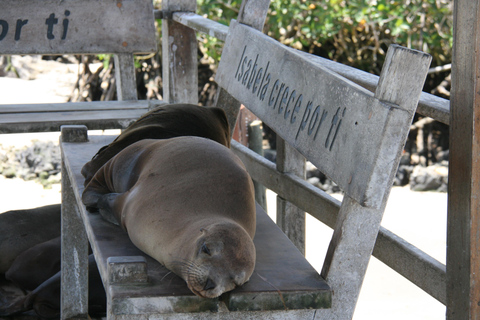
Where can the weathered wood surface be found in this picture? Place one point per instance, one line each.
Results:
(415, 265)
(75, 27)
(49, 117)
(290, 218)
(428, 105)
(336, 124)
(401, 82)
(201, 24)
(463, 224)
(299, 284)
(125, 76)
(179, 56)
(74, 249)
(252, 13)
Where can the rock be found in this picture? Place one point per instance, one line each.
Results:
(315, 181)
(432, 178)
(402, 178)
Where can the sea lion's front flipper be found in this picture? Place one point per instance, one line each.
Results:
(106, 207)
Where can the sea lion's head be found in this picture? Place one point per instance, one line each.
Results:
(223, 258)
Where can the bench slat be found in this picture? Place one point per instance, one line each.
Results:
(77, 27)
(49, 117)
(280, 267)
(79, 106)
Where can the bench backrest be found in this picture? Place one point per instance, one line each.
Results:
(76, 27)
(349, 133)
(355, 137)
(81, 27)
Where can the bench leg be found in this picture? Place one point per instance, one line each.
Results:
(74, 287)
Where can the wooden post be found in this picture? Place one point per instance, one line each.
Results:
(74, 283)
(125, 76)
(255, 143)
(179, 56)
(252, 13)
(290, 218)
(463, 228)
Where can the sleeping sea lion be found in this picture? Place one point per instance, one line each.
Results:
(23, 229)
(35, 265)
(164, 122)
(45, 299)
(189, 203)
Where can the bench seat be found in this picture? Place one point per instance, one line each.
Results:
(282, 279)
(21, 118)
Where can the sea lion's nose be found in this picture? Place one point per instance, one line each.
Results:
(209, 285)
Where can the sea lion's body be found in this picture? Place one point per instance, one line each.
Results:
(34, 266)
(188, 202)
(165, 122)
(23, 229)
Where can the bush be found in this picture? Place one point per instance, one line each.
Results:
(355, 32)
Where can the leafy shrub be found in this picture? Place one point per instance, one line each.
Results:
(354, 32)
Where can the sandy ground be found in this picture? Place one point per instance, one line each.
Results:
(418, 217)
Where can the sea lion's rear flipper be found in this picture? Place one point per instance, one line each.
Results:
(106, 207)
(16, 307)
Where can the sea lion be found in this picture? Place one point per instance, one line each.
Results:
(34, 266)
(45, 299)
(164, 122)
(189, 203)
(23, 229)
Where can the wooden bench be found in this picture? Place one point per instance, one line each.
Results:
(78, 27)
(353, 136)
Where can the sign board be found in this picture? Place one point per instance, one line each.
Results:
(333, 122)
(76, 26)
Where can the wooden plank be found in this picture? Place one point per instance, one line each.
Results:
(179, 56)
(125, 76)
(74, 252)
(79, 106)
(290, 218)
(51, 121)
(415, 265)
(75, 27)
(166, 293)
(333, 122)
(463, 237)
(252, 13)
(201, 24)
(428, 105)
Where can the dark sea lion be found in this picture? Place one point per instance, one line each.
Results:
(34, 266)
(23, 229)
(164, 122)
(189, 203)
(45, 299)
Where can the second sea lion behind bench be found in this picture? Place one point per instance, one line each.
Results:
(164, 122)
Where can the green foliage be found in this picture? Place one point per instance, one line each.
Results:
(354, 32)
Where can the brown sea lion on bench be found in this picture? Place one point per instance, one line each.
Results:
(189, 203)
